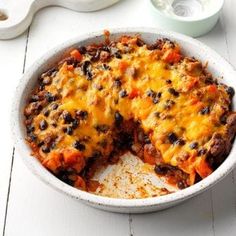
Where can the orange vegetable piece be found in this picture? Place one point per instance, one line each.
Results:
(123, 65)
(212, 88)
(203, 169)
(53, 161)
(171, 56)
(80, 183)
(92, 185)
(192, 83)
(76, 54)
(134, 93)
(71, 156)
(149, 158)
(70, 67)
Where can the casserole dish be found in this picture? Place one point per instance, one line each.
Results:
(190, 47)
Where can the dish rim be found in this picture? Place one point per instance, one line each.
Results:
(35, 166)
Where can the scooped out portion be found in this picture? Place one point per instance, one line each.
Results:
(104, 100)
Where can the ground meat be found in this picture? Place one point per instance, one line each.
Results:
(231, 127)
(150, 150)
(193, 67)
(221, 146)
(218, 148)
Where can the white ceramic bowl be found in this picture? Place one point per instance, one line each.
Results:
(192, 26)
(217, 65)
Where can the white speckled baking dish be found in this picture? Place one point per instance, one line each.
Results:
(218, 66)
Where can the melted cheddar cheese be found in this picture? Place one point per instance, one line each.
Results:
(80, 107)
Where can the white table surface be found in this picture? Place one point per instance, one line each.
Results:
(28, 207)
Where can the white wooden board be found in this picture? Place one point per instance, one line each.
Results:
(11, 65)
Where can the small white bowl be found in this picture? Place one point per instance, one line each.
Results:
(194, 26)
(217, 65)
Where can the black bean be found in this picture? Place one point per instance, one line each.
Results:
(168, 81)
(151, 93)
(30, 128)
(193, 145)
(230, 91)
(82, 114)
(157, 114)
(50, 97)
(82, 49)
(34, 98)
(54, 106)
(106, 67)
(180, 142)
(86, 68)
(45, 149)
(40, 144)
(201, 151)
(75, 123)
(78, 145)
(63, 175)
(155, 100)
(181, 184)
(68, 130)
(118, 118)
(161, 169)
(43, 125)
(32, 136)
(223, 119)
(123, 93)
(117, 83)
(118, 55)
(172, 137)
(67, 117)
(173, 92)
(46, 113)
(146, 139)
(89, 75)
(155, 96)
(205, 111)
(159, 94)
